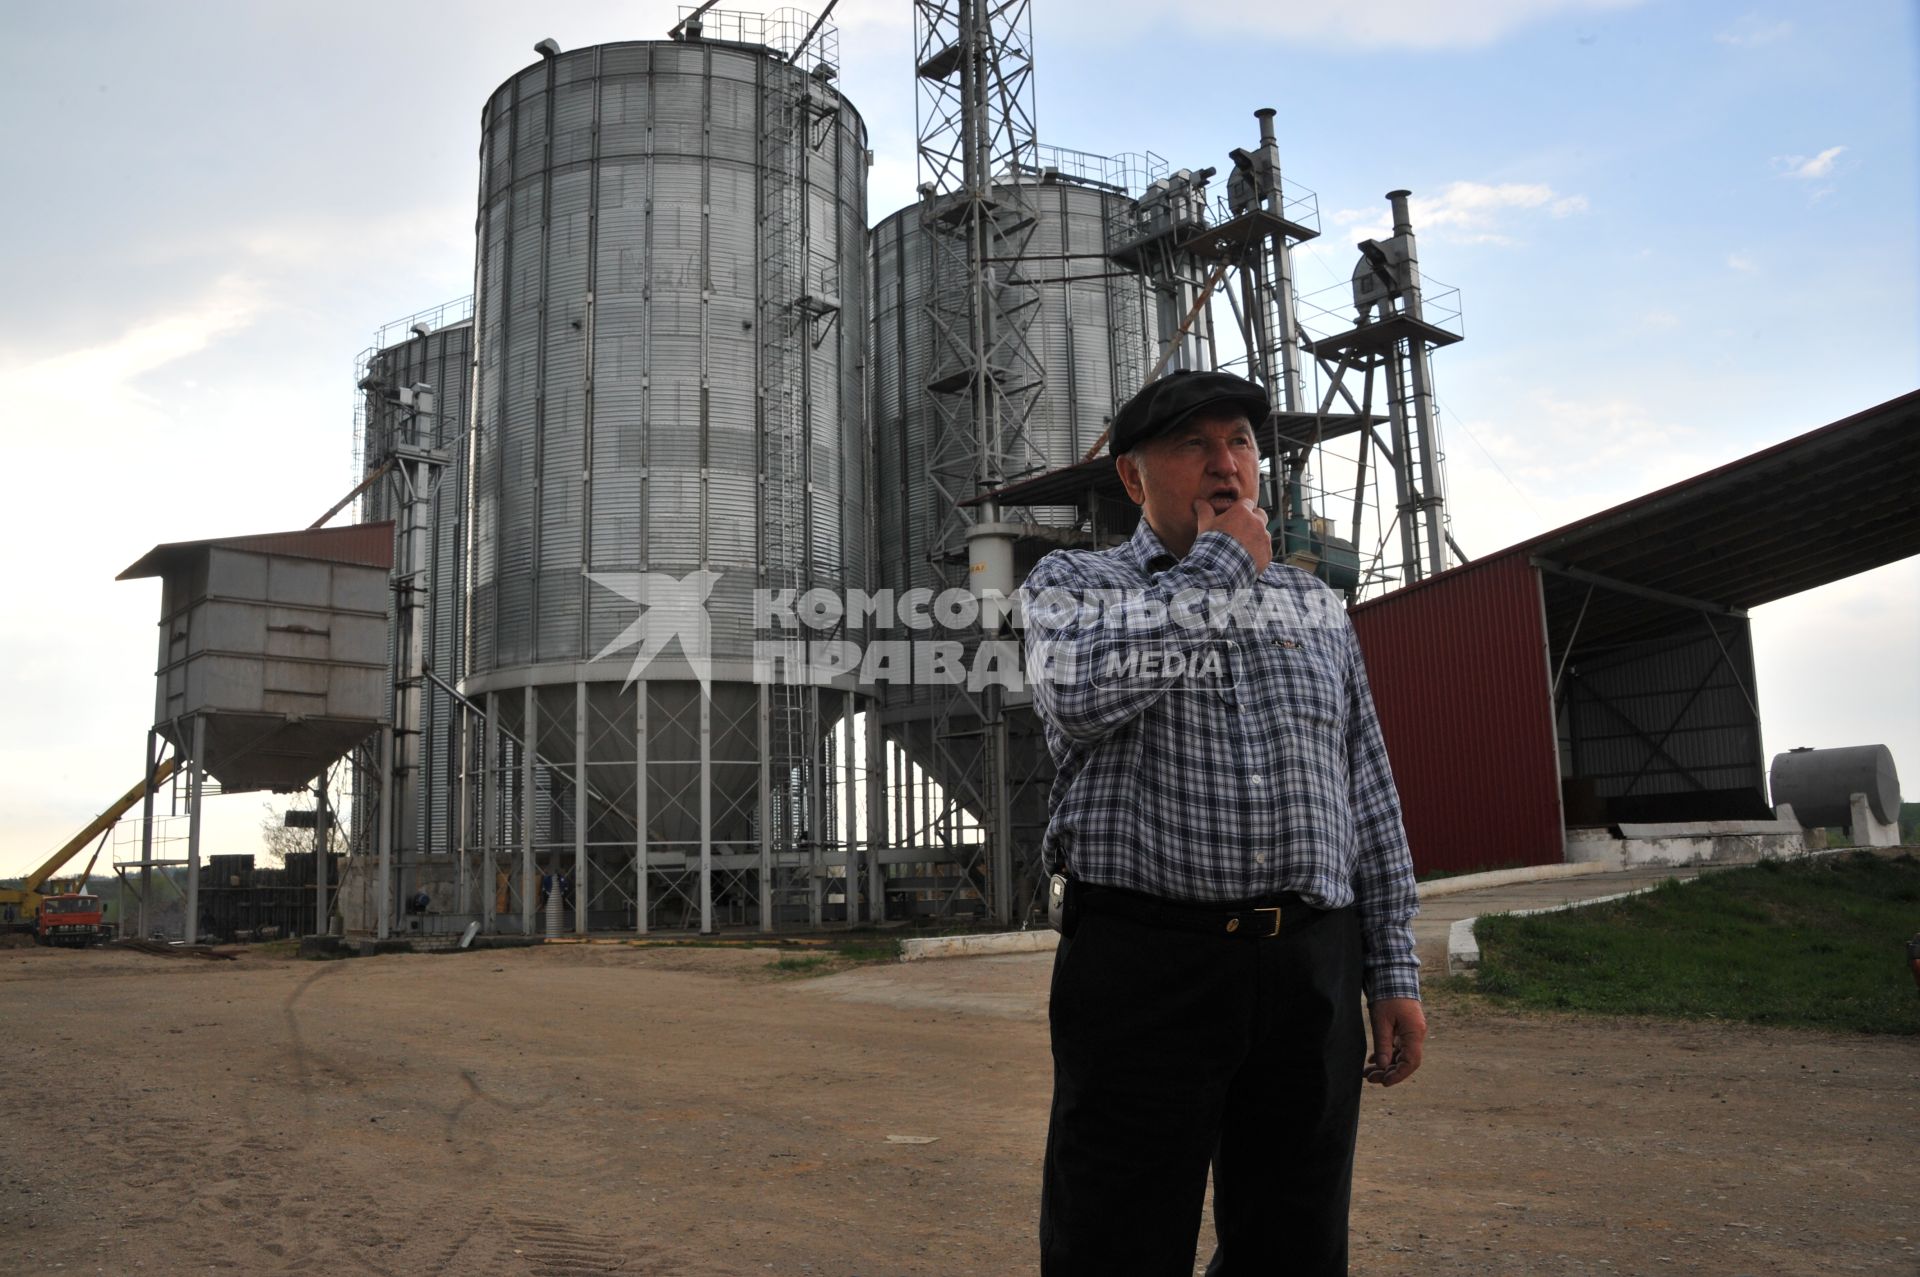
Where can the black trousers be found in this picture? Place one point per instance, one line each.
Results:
(1173, 1051)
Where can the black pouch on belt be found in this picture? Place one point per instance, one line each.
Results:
(1063, 913)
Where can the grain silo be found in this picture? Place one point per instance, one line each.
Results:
(1093, 331)
(437, 353)
(1090, 327)
(669, 322)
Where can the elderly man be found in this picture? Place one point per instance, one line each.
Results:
(1227, 846)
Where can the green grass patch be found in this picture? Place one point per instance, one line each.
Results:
(836, 955)
(1816, 943)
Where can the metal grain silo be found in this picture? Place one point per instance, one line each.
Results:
(669, 321)
(1093, 333)
(437, 353)
(1094, 337)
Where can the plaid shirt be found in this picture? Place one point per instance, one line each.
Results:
(1215, 738)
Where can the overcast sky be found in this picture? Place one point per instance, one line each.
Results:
(1682, 232)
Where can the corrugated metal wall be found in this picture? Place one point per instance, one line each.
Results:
(670, 322)
(1094, 334)
(1458, 669)
(619, 299)
(1666, 728)
(1095, 337)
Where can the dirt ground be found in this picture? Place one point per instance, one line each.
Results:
(596, 1109)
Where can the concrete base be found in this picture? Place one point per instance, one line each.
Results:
(324, 947)
(1034, 940)
(1463, 951)
(438, 876)
(1867, 830)
(433, 924)
(1509, 877)
(1700, 842)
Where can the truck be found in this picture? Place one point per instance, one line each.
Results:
(70, 913)
(72, 918)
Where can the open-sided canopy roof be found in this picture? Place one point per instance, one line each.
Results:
(1818, 508)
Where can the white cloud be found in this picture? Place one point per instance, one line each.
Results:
(1408, 24)
(1807, 169)
(91, 388)
(1753, 31)
(1742, 263)
(1828, 684)
(145, 454)
(1470, 212)
(1617, 443)
(1565, 457)
(167, 421)
(1542, 460)
(390, 239)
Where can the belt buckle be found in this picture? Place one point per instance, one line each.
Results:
(1277, 916)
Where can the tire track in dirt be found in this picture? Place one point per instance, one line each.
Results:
(552, 1247)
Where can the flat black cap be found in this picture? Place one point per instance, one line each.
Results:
(1161, 405)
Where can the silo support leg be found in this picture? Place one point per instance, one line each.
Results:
(581, 887)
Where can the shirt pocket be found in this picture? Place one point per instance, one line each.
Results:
(1306, 674)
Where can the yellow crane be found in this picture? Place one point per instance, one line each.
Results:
(20, 906)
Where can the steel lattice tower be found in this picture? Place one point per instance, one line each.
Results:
(977, 156)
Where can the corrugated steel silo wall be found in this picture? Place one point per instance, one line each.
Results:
(1089, 335)
(618, 419)
(1094, 339)
(442, 359)
(1458, 669)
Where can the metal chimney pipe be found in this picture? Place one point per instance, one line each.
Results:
(1403, 231)
(1402, 221)
(1286, 334)
(1270, 152)
(1427, 482)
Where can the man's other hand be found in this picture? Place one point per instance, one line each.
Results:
(1245, 522)
(1399, 1037)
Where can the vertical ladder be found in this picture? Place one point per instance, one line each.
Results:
(783, 261)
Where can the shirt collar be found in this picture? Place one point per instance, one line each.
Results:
(1147, 552)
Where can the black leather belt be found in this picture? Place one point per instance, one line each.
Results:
(1252, 919)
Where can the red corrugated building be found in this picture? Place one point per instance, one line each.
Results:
(1458, 669)
(1603, 672)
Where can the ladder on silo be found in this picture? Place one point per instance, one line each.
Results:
(792, 770)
